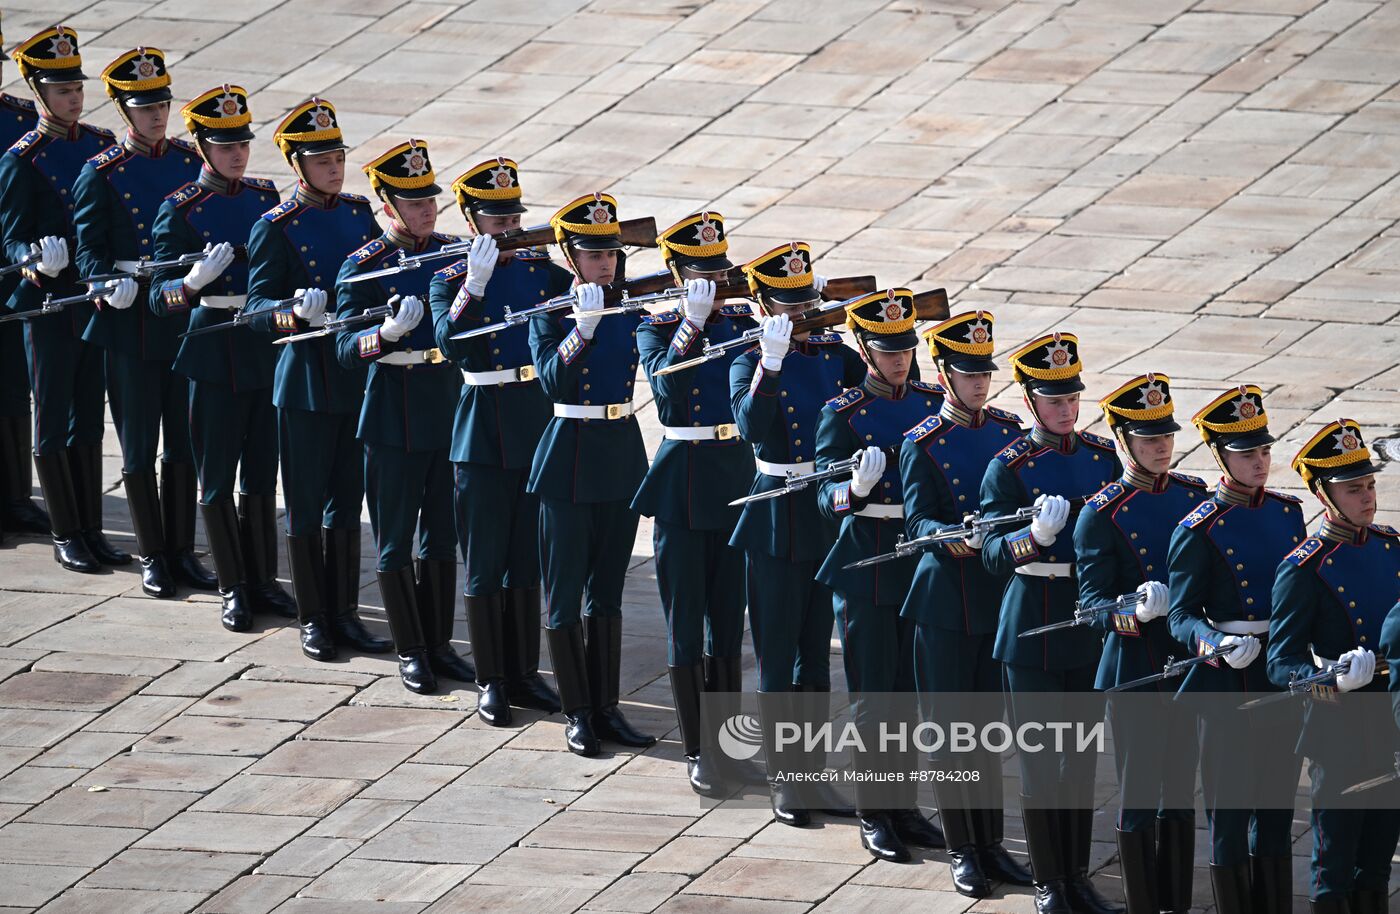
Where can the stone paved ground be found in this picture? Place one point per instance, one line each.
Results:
(1205, 189)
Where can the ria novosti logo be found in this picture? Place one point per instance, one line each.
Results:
(740, 737)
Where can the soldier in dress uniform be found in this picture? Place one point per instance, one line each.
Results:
(294, 251)
(1120, 544)
(778, 389)
(501, 416)
(1049, 467)
(18, 512)
(233, 428)
(406, 422)
(1221, 559)
(954, 601)
(586, 469)
(36, 217)
(868, 422)
(115, 201)
(700, 467)
(1330, 601)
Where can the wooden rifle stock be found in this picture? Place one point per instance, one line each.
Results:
(636, 233)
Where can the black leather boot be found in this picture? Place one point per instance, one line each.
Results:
(603, 653)
(724, 683)
(342, 591)
(1137, 861)
(437, 598)
(567, 654)
(85, 463)
(69, 548)
(915, 829)
(878, 835)
(257, 518)
(400, 593)
(687, 685)
(1331, 904)
(1176, 863)
(143, 502)
(1230, 884)
(961, 837)
(1076, 833)
(813, 708)
(221, 523)
(305, 557)
(1369, 901)
(18, 513)
(485, 624)
(1043, 840)
(177, 501)
(988, 825)
(521, 638)
(782, 765)
(1271, 879)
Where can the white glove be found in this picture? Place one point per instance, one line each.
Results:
(975, 540)
(119, 293)
(1245, 655)
(53, 255)
(1045, 526)
(699, 300)
(1154, 604)
(1363, 667)
(590, 298)
(403, 320)
(217, 258)
(867, 473)
(773, 343)
(312, 304)
(818, 282)
(481, 263)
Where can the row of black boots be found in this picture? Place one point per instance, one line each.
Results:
(18, 513)
(587, 658)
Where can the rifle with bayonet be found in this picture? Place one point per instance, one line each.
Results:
(241, 318)
(145, 269)
(796, 482)
(1174, 668)
(928, 306)
(636, 233)
(972, 525)
(26, 261)
(53, 305)
(1302, 685)
(336, 324)
(1084, 615)
(634, 294)
(1389, 777)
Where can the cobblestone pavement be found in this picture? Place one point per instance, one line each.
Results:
(1206, 189)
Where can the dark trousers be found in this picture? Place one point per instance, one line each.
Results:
(948, 664)
(701, 580)
(877, 651)
(14, 372)
(65, 376)
(497, 528)
(790, 616)
(147, 397)
(408, 491)
(584, 553)
(1063, 779)
(231, 434)
(1155, 754)
(1249, 807)
(323, 470)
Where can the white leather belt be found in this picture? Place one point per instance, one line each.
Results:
(781, 470)
(1046, 569)
(887, 511)
(412, 357)
(224, 302)
(701, 433)
(503, 376)
(608, 411)
(1239, 627)
(125, 266)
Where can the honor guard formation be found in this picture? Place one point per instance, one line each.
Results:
(480, 393)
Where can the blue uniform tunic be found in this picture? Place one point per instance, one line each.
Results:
(785, 539)
(498, 423)
(233, 428)
(65, 372)
(115, 201)
(691, 482)
(1332, 595)
(17, 118)
(300, 244)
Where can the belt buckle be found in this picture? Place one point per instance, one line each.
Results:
(726, 431)
(525, 373)
(613, 410)
(433, 356)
